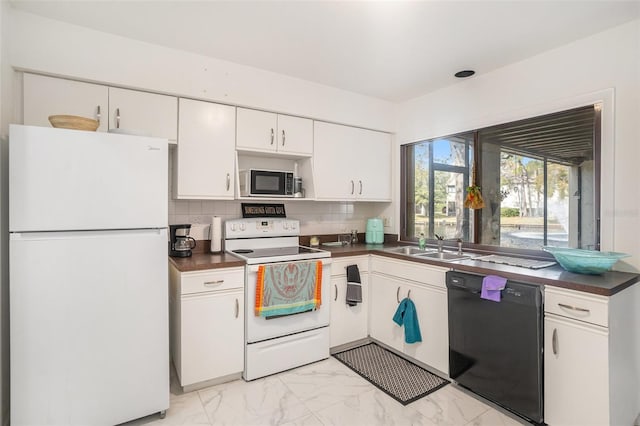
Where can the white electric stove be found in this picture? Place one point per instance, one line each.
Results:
(278, 343)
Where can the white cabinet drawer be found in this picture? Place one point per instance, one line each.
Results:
(339, 266)
(224, 279)
(577, 305)
(418, 272)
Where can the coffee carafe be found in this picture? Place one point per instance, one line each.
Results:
(180, 243)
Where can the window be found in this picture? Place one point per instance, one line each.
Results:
(436, 176)
(539, 179)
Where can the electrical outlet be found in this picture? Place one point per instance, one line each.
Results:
(386, 221)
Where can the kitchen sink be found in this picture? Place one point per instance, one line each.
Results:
(429, 253)
(408, 250)
(444, 256)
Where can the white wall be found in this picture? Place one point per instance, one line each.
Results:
(53, 47)
(604, 66)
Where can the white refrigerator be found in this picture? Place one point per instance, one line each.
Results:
(88, 277)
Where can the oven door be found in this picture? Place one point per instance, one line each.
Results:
(260, 328)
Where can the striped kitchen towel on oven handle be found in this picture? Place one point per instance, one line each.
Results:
(288, 288)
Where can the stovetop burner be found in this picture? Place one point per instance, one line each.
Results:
(268, 240)
(279, 254)
(275, 251)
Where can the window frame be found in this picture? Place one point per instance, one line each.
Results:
(407, 177)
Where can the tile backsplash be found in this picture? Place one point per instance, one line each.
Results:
(316, 217)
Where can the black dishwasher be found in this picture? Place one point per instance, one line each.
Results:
(495, 348)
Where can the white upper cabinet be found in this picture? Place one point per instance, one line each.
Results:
(45, 96)
(295, 135)
(205, 157)
(132, 111)
(145, 113)
(260, 131)
(351, 163)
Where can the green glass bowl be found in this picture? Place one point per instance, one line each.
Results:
(585, 261)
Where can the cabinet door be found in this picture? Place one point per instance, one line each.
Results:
(374, 171)
(205, 157)
(144, 113)
(385, 293)
(212, 332)
(295, 135)
(348, 323)
(45, 96)
(334, 158)
(431, 309)
(256, 130)
(576, 379)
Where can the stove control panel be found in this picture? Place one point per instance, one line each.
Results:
(261, 227)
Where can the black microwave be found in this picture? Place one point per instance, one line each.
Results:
(266, 183)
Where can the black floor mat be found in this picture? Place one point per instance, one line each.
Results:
(402, 380)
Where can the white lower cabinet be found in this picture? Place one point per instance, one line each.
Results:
(348, 323)
(576, 373)
(393, 280)
(207, 324)
(431, 305)
(385, 294)
(590, 358)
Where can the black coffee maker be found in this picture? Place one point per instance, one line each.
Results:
(181, 243)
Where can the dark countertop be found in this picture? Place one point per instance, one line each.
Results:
(203, 261)
(606, 284)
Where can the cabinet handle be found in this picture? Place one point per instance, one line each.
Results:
(228, 181)
(98, 114)
(353, 187)
(237, 308)
(336, 297)
(283, 137)
(272, 136)
(573, 308)
(117, 118)
(213, 283)
(398, 295)
(360, 193)
(554, 341)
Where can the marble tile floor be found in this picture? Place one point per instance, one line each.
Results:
(323, 393)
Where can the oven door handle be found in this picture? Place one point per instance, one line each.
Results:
(325, 262)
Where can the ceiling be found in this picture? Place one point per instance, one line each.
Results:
(392, 50)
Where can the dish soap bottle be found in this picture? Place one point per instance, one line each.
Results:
(422, 242)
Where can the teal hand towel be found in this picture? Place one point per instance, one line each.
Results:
(406, 315)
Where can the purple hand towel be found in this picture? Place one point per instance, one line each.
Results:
(491, 286)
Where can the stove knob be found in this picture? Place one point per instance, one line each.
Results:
(233, 226)
(293, 225)
(285, 225)
(242, 227)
